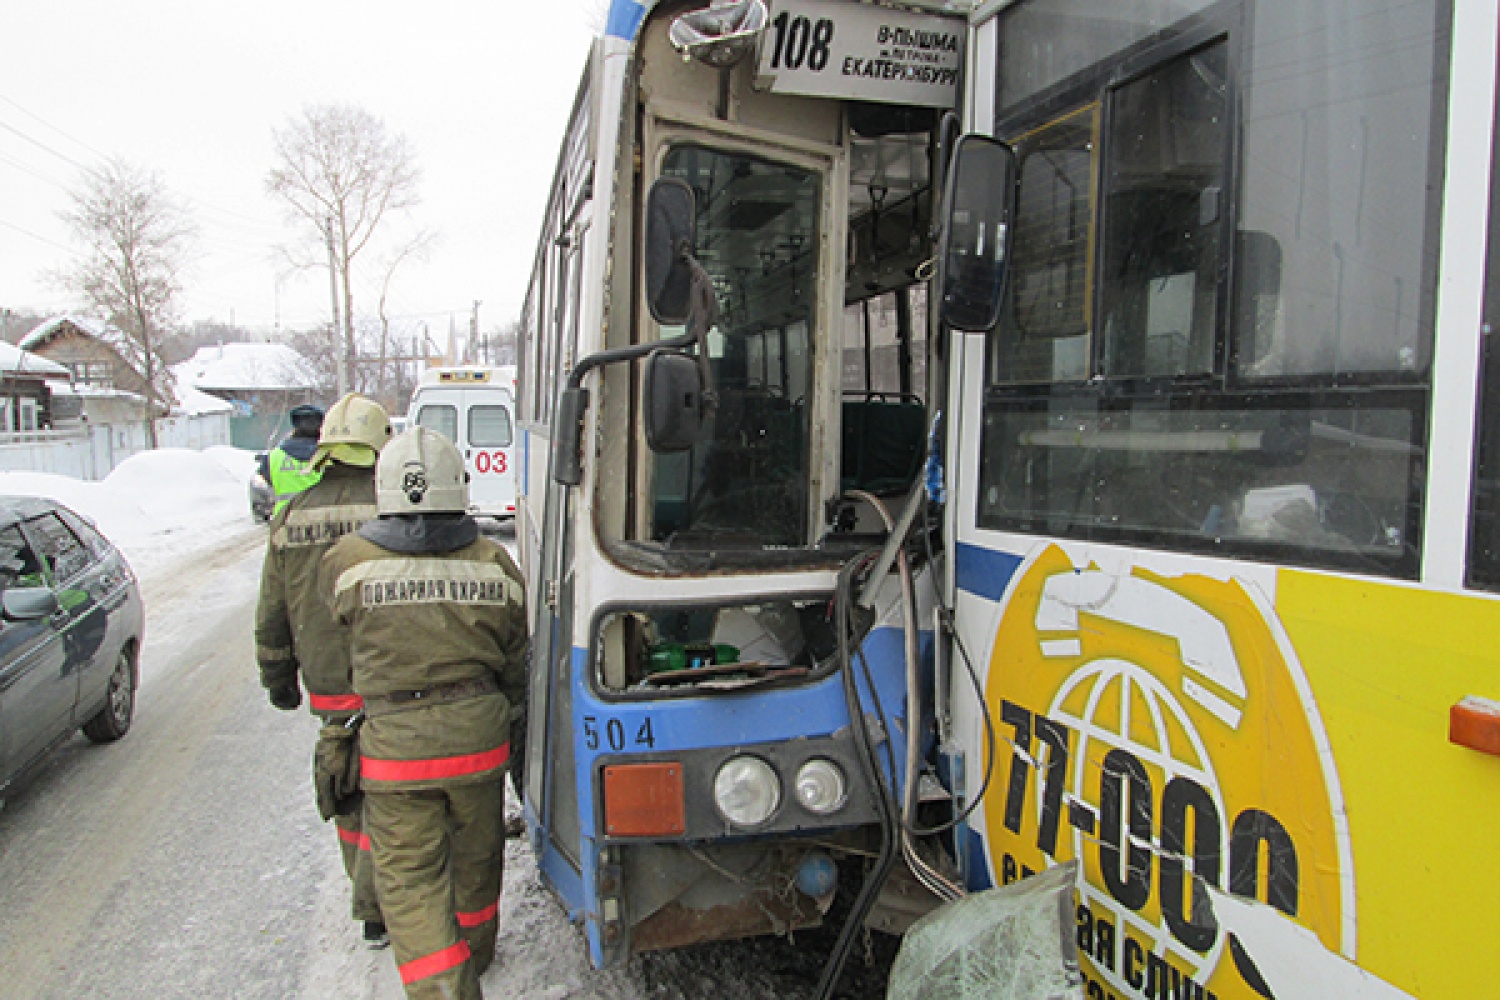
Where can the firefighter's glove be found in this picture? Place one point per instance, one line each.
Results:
(336, 770)
(287, 697)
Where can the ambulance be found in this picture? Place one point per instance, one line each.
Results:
(474, 407)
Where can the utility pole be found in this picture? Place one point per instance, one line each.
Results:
(474, 332)
(340, 354)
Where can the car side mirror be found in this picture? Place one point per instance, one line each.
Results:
(978, 200)
(28, 603)
(670, 228)
(672, 387)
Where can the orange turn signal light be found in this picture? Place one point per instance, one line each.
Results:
(643, 800)
(1475, 723)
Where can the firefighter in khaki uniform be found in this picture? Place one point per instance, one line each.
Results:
(437, 627)
(296, 634)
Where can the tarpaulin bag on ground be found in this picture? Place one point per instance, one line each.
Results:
(1017, 942)
(336, 770)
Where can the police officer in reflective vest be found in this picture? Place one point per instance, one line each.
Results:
(437, 626)
(288, 467)
(295, 635)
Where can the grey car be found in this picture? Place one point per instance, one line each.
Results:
(71, 625)
(262, 497)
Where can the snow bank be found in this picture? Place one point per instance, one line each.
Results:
(160, 507)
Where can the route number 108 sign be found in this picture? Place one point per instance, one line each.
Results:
(819, 49)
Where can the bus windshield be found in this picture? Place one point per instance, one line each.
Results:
(745, 484)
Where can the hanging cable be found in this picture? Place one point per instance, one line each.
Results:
(934, 880)
(951, 627)
(875, 878)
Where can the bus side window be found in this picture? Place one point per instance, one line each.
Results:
(1164, 178)
(1051, 288)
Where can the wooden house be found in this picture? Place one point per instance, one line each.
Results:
(92, 351)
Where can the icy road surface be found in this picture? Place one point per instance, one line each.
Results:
(188, 860)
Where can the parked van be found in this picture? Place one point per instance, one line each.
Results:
(474, 407)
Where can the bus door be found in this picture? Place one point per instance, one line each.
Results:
(549, 790)
(549, 740)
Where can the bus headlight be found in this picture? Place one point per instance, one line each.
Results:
(746, 791)
(821, 787)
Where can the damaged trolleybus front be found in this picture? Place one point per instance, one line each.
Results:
(1192, 603)
(725, 407)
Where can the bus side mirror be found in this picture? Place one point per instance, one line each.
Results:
(670, 222)
(673, 403)
(978, 200)
(567, 436)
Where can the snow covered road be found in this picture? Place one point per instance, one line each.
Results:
(188, 860)
(182, 859)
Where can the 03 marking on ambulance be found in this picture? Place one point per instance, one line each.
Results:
(491, 462)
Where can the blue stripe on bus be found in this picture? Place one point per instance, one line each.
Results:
(984, 572)
(565, 878)
(624, 19)
(772, 715)
(979, 872)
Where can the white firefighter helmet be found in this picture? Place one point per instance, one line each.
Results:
(421, 472)
(354, 430)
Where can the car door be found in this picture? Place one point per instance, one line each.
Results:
(488, 440)
(37, 686)
(85, 573)
(439, 415)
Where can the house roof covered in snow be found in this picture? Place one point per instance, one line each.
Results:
(245, 367)
(46, 330)
(13, 360)
(191, 401)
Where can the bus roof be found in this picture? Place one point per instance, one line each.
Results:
(624, 17)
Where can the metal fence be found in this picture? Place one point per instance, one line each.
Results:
(91, 452)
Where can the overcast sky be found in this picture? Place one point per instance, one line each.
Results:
(193, 90)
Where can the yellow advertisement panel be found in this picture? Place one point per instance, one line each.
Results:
(1202, 746)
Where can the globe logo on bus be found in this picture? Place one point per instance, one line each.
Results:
(1127, 711)
(1157, 728)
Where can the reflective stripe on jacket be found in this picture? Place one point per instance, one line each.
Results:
(422, 621)
(294, 629)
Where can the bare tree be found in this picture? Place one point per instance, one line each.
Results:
(506, 339)
(341, 174)
(315, 344)
(136, 237)
(417, 247)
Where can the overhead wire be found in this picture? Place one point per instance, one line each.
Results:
(224, 232)
(245, 240)
(42, 239)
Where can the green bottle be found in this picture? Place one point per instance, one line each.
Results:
(686, 656)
